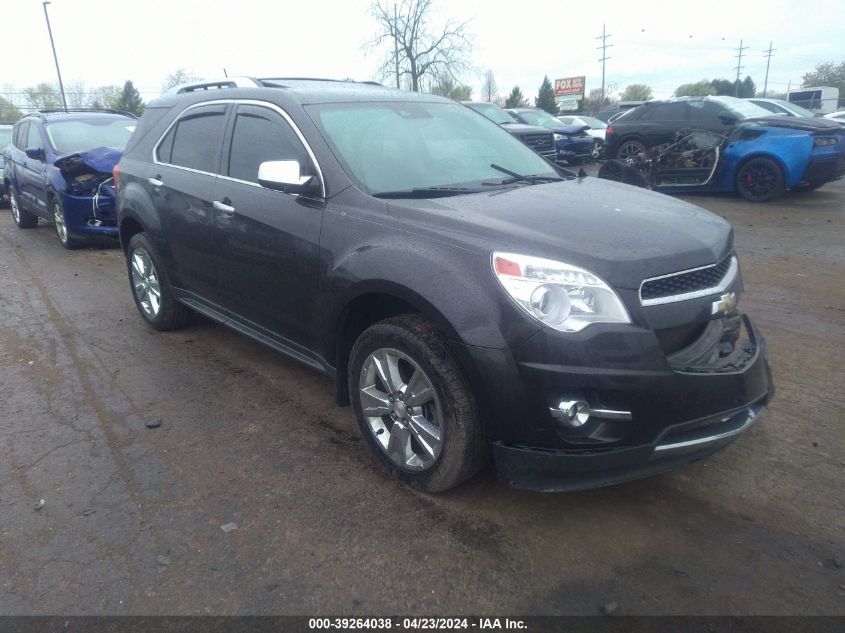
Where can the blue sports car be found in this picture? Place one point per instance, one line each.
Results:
(759, 159)
(59, 168)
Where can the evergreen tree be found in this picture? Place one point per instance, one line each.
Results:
(546, 98)
(129, 100)
(515, 99)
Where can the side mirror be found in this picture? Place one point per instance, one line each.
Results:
(728, 119)
(284, 175)
(35, 153)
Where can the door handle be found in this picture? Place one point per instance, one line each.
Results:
(155, 182)
(224, 206)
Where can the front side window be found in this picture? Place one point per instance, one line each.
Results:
(400, 146)
(33, 138)
(195, 140)
(80, 135)
(261, 134)
(20, 135)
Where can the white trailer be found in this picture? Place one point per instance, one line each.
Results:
(821, 100)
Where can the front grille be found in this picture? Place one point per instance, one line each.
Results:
(538, 142)
(685, 282)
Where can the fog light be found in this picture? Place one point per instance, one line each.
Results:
(572, 413)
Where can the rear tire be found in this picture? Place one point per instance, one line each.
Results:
(760, 180)
(422, 421)
(150, 285)
(23, 218)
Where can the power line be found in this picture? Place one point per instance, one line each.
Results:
(768, 54)
(739, 67)
(604, 46)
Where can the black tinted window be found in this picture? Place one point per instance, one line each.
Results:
(706, 111)
(260, 134)
(667, 112)
(165, 147)
(198, 136)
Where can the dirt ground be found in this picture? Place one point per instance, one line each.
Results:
(132, 516)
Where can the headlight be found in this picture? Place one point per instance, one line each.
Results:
(821, 141)
(562, 296)
(559, 137)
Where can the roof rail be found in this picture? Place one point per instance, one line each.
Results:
(64, 110)
(216, 84)
(340, 81)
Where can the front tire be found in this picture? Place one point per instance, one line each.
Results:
(68, 241)
(23, 218)
(414, 407)
(760, 180)
(151, 287)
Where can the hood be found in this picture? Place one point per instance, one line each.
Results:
(100, 160)
(624, 234)
(522, 128)
(797, 123)
(570, 130)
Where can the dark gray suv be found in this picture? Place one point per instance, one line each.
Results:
(468, 298)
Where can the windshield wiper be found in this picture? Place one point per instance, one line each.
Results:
(515, 177)
(428, 192)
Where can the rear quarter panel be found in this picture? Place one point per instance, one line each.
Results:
(791, 149)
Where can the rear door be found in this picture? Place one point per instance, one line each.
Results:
(267, 241)
(181, 186)
(33, 175)
(663, 121)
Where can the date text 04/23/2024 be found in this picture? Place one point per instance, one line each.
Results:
(418, 623)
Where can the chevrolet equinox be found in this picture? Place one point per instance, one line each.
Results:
(468, 298)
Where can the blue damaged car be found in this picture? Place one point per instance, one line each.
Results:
(572, 142)
(723, 144)
(59, 168)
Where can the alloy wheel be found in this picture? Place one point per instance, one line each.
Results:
(145, 283)
(630, 150)
(402, 409)
(759, 179)
(13, 203)
(59, 221)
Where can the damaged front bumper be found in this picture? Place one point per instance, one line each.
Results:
(651, 412)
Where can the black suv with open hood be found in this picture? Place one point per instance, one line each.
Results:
(467, 297)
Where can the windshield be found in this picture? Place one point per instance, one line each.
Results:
(399, 146)
(539, 117)
(5, 136)
(742, 108)
(492, 112)
(68, 137)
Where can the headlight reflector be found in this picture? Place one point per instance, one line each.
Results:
(564, 297)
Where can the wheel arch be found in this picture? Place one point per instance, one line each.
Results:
(784, 169)
(370, 303)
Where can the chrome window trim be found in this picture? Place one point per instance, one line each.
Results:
(724, 284)
(253, 102)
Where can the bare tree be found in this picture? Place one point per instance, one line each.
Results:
(178, 78)
(421, 50)
(489, 89)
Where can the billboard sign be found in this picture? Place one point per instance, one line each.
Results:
(570, 87)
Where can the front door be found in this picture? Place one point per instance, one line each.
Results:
(267, 241)
(34, 175)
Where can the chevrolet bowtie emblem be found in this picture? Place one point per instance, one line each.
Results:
(725, 303)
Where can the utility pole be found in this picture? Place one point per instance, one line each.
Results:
(739, 67)
(768, 55)
(604, 46)
(55, 57)
(396, 43)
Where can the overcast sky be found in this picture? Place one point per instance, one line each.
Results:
(660, 44)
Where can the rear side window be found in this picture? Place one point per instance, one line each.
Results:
(667, 112)
(195, 140)
(20, 135)
(261, 134)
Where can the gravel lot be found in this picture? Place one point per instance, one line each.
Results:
(132, 516)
